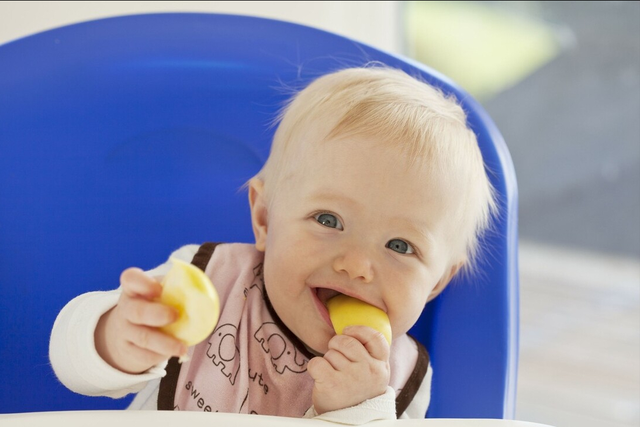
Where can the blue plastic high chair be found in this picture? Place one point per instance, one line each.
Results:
(122, 139)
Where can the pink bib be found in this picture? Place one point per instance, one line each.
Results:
(252, 363)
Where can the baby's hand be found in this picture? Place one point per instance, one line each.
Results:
(127, 336)
(354, 369)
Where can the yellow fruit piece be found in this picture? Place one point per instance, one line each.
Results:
(346, 311)
(189, 290)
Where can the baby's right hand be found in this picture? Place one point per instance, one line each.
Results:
(127, 336)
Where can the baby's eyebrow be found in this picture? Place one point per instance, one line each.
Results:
(323, 196)
(421, 228)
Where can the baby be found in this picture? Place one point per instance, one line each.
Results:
(374, 188)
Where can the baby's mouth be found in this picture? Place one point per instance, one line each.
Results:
(325, 295)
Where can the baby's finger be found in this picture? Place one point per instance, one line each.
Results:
(319, 368)
(142, 312)
(349, 347)
(337, 360)
(136, 283)
(373, 341)
(157, 342)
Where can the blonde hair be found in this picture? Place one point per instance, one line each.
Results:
(404, 111)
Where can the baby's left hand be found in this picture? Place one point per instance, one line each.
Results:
(354, 369)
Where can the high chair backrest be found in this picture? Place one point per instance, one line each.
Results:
(125, 138)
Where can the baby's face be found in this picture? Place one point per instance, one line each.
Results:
(354, 217)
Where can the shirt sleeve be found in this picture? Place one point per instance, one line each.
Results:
(382, 407)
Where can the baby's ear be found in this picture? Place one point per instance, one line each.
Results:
(258, 205)
(444, 280)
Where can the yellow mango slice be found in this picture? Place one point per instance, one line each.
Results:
(189, 290)
(346, 311)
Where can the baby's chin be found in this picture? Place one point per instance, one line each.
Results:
(312, 351)
(316, 346)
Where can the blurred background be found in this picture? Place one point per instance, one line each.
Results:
(562, 82)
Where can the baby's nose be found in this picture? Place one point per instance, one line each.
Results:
(356, 263)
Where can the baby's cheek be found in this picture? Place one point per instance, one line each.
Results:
(403, 318)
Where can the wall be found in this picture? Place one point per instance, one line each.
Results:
(374, 23)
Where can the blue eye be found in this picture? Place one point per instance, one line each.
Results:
(400, 246)
(329, 220)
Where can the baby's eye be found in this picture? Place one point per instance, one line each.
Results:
(329, 220)
(400, 246)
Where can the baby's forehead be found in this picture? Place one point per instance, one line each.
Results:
(380, 162)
